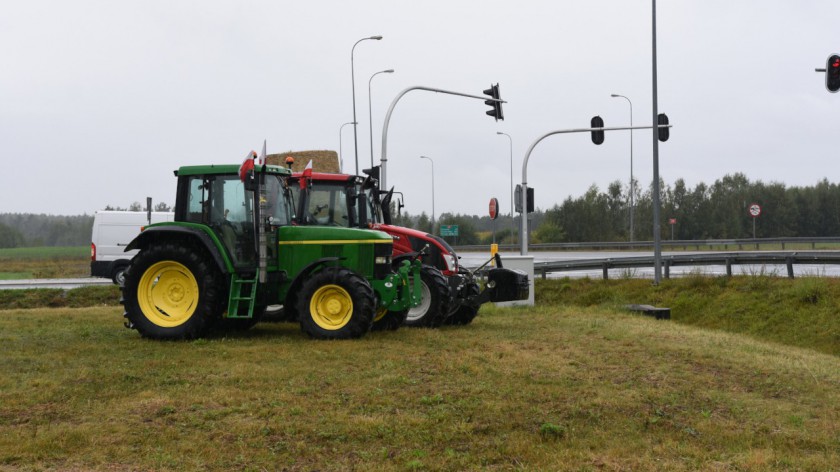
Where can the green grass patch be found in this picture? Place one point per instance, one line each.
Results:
(46, 252)
(545, 388)
(44, 262)
(800, 312)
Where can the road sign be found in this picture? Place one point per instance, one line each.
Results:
(449, 230)
(672, 221)
(494, 208)
(755, 210)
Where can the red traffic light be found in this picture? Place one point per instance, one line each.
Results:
(832, 73)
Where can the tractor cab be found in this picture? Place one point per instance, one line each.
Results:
(217, 198)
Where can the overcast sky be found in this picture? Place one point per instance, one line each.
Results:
(101, 100)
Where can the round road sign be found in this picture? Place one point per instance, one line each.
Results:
(494, 208)
(755, 210)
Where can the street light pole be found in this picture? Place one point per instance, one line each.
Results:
(370, 110)
(512, 218)
(657, 238)
(341, 146)
(632, 183)
(353, 82)
(433, 191)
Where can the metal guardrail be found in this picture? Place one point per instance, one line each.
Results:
(727, 259)
(697, 244)
(65, 284)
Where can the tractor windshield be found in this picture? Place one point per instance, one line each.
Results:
(334, 203)
(222, 203)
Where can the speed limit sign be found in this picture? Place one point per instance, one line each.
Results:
(755, 210)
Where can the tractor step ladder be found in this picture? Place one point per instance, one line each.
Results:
(241, 291)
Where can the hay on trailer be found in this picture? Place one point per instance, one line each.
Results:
(322, 161)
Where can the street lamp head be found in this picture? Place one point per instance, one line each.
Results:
(499, 132)
(614, 95)
(376, 37)
(389, 71)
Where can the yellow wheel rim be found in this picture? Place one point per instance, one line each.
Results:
(167, 294)
(380, 313)
(331, 307)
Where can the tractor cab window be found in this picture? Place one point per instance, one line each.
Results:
(279, 205)
(222, 203)
(327, 205)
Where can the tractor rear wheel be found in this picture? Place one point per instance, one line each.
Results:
(172, 291)
(336, 303)
(435, 300)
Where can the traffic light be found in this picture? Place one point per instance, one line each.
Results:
(832, 73)
(496, 105)
(517, 199)
(664, 133)
(597, 136)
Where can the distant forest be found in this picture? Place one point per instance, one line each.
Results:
(716, 211)
(35, 230)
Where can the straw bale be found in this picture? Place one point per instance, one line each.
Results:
(322, 161)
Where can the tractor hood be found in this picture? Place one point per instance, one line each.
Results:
(329, 234)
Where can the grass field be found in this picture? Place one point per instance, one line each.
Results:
(548, 388)
(44, 262)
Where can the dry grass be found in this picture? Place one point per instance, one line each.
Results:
(520, 389)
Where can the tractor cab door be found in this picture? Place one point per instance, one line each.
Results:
(222, 203)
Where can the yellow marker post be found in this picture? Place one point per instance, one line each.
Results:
(494, 248)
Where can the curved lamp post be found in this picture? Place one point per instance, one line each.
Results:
(632, 183)
(341, 146)
(433, 191)
(353, 81)
(370, 110)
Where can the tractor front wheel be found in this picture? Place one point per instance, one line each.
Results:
(386, 320)
(336, 303)
(435, 300)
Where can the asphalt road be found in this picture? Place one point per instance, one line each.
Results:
(53, 283)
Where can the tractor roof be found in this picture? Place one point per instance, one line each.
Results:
(221, 169)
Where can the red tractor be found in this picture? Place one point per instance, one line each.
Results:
(450, 293)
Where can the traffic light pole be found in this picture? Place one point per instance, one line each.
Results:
(523, 229)
(383, 172)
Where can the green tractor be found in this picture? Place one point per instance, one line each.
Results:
(233, 250)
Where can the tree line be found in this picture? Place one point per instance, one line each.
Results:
(716, 211)
(36, 230)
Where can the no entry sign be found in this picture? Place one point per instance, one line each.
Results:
(494, 208)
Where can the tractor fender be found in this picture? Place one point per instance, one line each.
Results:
(156, 234)
(308, 270)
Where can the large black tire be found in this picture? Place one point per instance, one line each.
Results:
(465, 313)
(173, 291)
(388, 320)
(436, 299)
(336, 303)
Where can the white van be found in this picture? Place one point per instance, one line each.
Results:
(112, 231)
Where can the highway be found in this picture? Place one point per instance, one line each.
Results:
(53, 283)
(475, 259)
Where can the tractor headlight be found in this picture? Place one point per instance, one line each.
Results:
(449, 259)
(382, 260)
